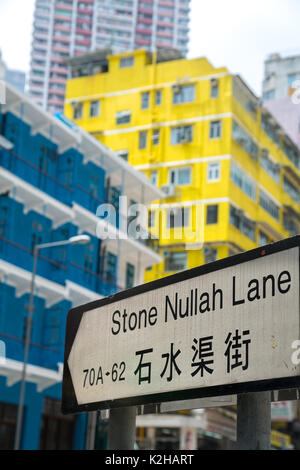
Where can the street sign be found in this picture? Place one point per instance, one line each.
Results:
(224, 328)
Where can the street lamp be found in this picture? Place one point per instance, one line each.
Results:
(77, 240)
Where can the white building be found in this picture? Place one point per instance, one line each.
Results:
(280, 95)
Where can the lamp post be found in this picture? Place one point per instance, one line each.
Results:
(79, 239)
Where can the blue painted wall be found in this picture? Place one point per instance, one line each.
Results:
(35, 159)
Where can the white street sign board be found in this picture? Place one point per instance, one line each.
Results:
(219, 329)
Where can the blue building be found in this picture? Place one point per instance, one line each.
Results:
(52, 180)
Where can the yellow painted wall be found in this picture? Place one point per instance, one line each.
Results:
(121, 90)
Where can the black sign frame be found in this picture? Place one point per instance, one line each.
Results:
(69, 402)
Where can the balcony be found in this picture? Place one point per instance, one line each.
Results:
(35, 176)
(136, 250)
(73, 281)
(22, 257)
(42, 377)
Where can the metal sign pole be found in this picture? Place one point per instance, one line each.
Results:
(254, 421)
(122, 428)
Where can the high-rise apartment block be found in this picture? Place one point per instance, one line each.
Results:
(64, 28)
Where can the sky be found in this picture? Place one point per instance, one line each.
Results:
(237, 34)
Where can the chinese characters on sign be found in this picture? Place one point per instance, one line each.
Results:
(236, 353)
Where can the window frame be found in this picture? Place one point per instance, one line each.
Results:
(125, 115)
(218, 171)
(97, 114)
(145, 136)
(215, 219)
(212, 132)
(145, 104)
(183, 96)
(176, 171)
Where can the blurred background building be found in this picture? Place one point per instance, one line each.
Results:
(64, 28)
(16, 78)
(281, 91)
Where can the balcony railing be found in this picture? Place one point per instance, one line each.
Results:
(34, 175)
(55, 270)
(39, 354)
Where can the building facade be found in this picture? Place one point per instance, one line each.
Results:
(64, 28)
(200, 134)
(16, 78)
(53, 179)
(281, 95)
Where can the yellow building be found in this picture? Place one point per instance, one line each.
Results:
(230, 174)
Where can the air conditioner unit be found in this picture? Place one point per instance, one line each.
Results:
(241, 140)
(169, 190)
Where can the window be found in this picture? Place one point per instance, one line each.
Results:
(214, 88)
(151, 219)
(271, 167)
(183, 94)
(154, 177)
(241, 180)
(269, 95)
(213, 171)
(110, 267)
(78, 111)
(52, 319)
(244, 140)
(270, 128)
(57, 430)
(292, 77)
(158, 97)
(142, 140)
(123, 117)
(178, 217)
(181, 135)
(126, 62)
(155, 136)
(180, 176)
(123, 154)
(94, 108)
(215, 129)
(212, 214)
(292, 152)
(262, 239)
(291, 189)
(269, 205)
(145, 100)
(290, 224)
(129, 276)
(210, 255)
(176, 261)
(242, 223)
(8, 419)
